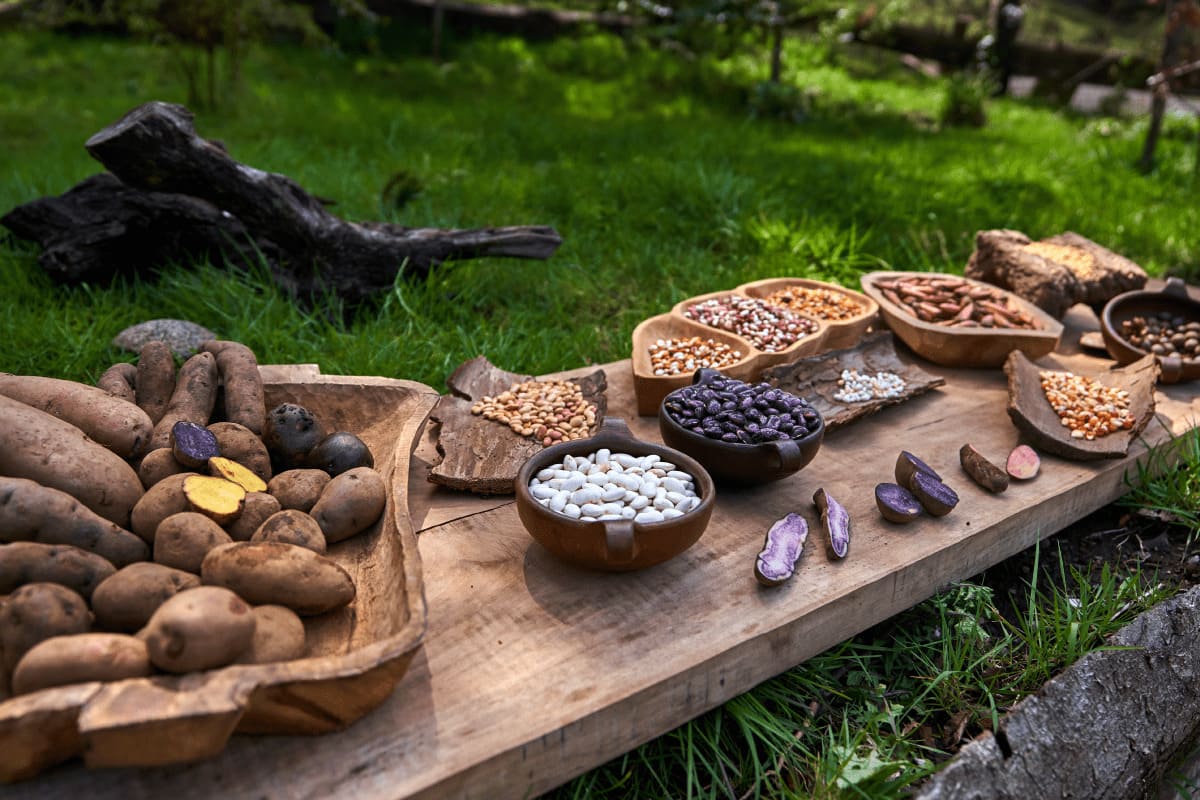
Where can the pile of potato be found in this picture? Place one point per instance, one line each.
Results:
(141, 536)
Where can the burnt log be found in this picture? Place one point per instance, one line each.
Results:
(175, 196)
(1055, 273)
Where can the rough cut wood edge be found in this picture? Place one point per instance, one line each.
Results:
(1033, 416)
(479, 455)
(168, 720)
(1110, 726)
(816, 379)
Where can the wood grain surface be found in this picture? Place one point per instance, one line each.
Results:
(533, 672)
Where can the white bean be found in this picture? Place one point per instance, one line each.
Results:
(545, 475)
(649, 515)
(612, 493)
(559, 501)
(587, 494)
(571, 510)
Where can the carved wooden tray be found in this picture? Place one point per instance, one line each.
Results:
(816, 378)
(651, 388)
(356, 655)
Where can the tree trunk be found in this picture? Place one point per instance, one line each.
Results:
(177, 196)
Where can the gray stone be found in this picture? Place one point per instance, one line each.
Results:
(183, 337)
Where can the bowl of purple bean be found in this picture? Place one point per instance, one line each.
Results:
(741, 432)
(613, 502)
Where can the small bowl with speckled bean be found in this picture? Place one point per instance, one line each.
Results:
(616, 544)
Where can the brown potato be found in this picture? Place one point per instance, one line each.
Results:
(244, 401)
(258, 507)
(164, 499)
(31, 562)
(118, 380)
(54, 453)
(158, 465)
(81, 658)
(115, 423)
(351, 503)
(239, 443)
(126, 601)
(155, 380)
(294, 527)
(35, 513)
(278, 636)
(36, 612)
(202, 628)
(275, 573)
(193, 399)
(298, 488)
(184, 539)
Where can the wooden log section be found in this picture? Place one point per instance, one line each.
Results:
(178, 196)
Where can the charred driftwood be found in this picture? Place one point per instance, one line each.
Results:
(173, 195)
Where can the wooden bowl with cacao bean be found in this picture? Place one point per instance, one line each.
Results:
(960, 322)
(742, 462)
(1164, 323)
(617, 545)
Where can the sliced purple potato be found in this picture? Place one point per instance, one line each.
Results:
(836, 521)
(936, 497)
(982, 471)
(907, 465)
(193, 445)
(781, 551)
(896, 503)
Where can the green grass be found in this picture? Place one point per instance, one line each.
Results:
(663, 185)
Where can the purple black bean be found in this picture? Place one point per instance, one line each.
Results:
(733, 411)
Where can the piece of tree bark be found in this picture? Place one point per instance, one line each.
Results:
(481, 455)
(177, 189)
(1055, 273)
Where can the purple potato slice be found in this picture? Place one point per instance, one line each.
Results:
(896, 503)
(781, 551)
(836, 521)
(937, 498)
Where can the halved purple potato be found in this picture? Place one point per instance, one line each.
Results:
(907, 465)
(896, 503)
(193, 445)
(836, 521)
(781, 551)
(936, 497)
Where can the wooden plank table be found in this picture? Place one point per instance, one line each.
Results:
(534, 672)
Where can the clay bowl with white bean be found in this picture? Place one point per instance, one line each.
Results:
(618, 544)
(960, 322)
(845, 314)
(752, 459)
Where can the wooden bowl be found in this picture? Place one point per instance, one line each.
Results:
(812, 343)
(1173, 298)
(355, 656)
(650, 388)
(964, 347)
(613, 545)
(838, 333)
(742, 464)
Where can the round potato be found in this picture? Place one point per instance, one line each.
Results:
(290, 432)
(162, 500)
(340, 452)
(258, 507)
(184, 539)
(37, 612)
(126, 601)
(278, 636)
(294, 527)
(202, 628)
(351, 503)
(157, 465)
(298, 488)
(81, 658)
(239, 443)
(31, 562)
(276, 573)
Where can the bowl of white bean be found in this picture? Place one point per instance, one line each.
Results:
(613, 502)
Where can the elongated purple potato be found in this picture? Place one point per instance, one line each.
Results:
(777, 560)
(896, 503)
(836, 521)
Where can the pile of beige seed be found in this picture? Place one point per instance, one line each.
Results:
(549, 411)
(683, 356)
(1087, 408)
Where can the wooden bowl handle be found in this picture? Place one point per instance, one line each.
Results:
(1170, 369)
(615, 426)
(619, 543)
(1176, 288)
(790, 456)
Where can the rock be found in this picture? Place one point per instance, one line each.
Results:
(1055, 273)
(183, 337)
